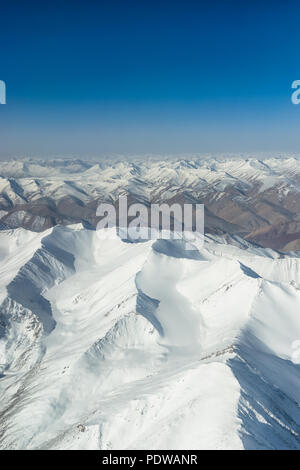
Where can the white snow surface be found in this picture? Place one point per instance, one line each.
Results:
(106, 344)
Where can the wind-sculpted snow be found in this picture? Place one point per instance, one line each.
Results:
(150, 345)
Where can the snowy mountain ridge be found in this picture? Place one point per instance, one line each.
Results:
(146, 345)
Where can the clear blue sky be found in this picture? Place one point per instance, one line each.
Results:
(100, 77)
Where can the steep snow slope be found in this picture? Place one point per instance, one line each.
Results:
(113, 344)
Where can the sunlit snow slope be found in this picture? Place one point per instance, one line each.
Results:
(115, 345)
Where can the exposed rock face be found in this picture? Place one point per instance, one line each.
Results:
(256, 199)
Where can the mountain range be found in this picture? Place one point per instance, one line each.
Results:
(115, 344)
(256, 199)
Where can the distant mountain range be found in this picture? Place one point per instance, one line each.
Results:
(257, 199)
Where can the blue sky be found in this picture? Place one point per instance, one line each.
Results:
(100, 77)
